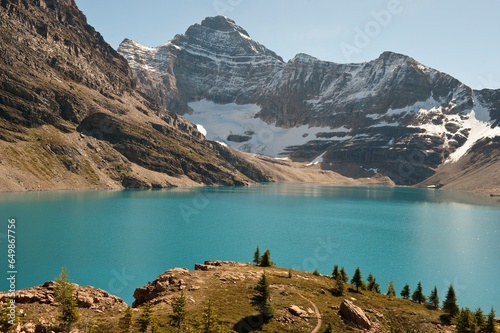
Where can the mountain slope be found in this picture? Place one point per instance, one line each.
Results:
(391, 115)
(71, 117)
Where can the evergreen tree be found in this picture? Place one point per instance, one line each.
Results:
(146, 318)
(391, 292)
(64, 295)
(316, 273)
(266, 259)
(450, 303)
(179, 312)
(262, 291)
(479, 317)
(405, 293)
(261, 298)
(465, 321)
(290, 274)
(209, 318)
(329, 328)
(256, 256)
(335, 272)
(209, 321)
(372, 284)
(339, 288)
(490, 322)
(267, 311)
(344, 275)
(357, 279)
(434, 298)
(6, 321)
(125, 322)
(418, 295)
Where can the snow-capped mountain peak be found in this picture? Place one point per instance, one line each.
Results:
(380, 114)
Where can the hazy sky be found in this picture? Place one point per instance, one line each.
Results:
(461, 38)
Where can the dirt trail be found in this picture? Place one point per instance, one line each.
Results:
(318, 315)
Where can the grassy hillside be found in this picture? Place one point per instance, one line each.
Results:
(230, 287)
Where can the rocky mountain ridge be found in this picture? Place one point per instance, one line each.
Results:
(71, 117)
(392, 115)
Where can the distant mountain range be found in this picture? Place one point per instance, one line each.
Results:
(392, 115)
(75, 113)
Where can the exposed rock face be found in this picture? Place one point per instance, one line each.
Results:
(393, 114)
(59, 77)
(87, 297)
(162, 286)
(354, 315)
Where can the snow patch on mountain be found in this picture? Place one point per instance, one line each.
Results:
(223, 121)
(317, 160)
(478, 130)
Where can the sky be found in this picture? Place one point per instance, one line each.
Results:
(461, 38)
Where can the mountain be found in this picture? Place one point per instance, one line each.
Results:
(392, 115)
(71, 116)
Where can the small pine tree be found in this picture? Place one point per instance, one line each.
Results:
(357, 279)
(418, 295)
(316, 273)
(465, 321)
(335, 272)
(146, 318)
(372, 284)
(261, 298)
(6, 321)
(490, 323)
(290, 274)
(344, 275)
(434, 299)
(329, 328)
(391, 291)
(64, 295)
(266, 259)
(209, 321)
(479, 317)
(179, 312)
(339, 289)
(256, 256)
(125, 322)
(267, 311)
(405, 293)
(450, 303)
(262, 291)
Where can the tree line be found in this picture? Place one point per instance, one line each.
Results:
(466, 320)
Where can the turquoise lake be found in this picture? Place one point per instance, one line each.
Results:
(120, 240)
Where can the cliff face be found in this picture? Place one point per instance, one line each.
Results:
(393, 114)
(70, 115)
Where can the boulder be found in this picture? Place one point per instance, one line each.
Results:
(297, 311)
(354, 315)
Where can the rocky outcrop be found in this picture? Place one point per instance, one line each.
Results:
(354, 315)
(166, 285)
(87, 297)
(163, 286)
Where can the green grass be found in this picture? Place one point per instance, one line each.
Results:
(231, 287)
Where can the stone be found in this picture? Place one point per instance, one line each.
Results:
(297, 311)
(354, 315)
